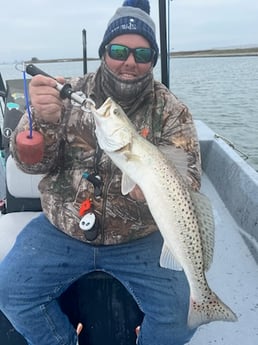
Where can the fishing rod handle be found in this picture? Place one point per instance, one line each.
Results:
(33, 70)
(65, 90)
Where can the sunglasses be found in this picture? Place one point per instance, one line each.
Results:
(121, 53)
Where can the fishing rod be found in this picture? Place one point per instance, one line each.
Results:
(65, 90)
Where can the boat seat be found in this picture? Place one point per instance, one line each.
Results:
(22, 204)
(20, 184)
(21, 189)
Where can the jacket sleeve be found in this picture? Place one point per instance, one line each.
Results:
(179, 141)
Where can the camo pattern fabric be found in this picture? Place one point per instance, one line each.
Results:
(71, 151)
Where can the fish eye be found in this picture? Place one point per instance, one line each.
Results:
(115, 111)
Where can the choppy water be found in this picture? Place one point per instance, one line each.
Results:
(222, 91)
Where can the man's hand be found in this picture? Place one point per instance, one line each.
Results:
(45, 98)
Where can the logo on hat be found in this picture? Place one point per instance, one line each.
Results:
(129, 26)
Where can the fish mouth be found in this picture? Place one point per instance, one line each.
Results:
(102, 112)
(104, 109)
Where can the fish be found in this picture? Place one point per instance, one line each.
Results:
(184, 217)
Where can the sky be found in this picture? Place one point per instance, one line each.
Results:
(49, 29)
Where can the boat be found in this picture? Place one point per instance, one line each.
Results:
(101, 303)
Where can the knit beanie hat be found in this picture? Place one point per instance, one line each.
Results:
(132, 18)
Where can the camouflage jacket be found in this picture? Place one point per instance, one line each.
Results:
(71, 153)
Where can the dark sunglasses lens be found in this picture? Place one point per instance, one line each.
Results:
(118, 52)
(143, 55)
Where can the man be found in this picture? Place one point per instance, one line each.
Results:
(121, 238)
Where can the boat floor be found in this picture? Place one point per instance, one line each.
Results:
(233, 277)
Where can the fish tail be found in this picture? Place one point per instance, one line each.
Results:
(208, 310)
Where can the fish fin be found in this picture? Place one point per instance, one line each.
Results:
(127, 184)
(206, 225)
(167, 259)
(213, 309)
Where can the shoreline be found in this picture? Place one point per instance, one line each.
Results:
(177, 54)
(217, 52)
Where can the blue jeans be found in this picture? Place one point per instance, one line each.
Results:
(44, 262)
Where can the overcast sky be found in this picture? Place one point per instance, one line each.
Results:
(53, 28)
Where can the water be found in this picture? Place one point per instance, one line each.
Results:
(220, 91)
(223, 93)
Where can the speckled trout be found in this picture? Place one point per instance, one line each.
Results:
(183, 217)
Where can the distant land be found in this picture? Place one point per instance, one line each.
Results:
(224, 52)
(217, 52)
